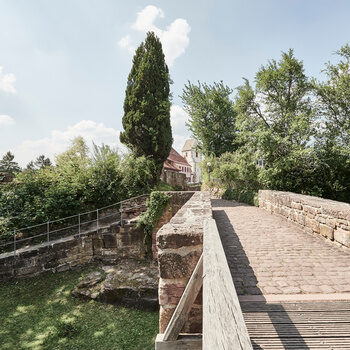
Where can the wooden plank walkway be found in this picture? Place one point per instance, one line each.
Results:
(302, 325)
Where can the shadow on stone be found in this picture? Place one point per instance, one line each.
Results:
(246, 283)
(130, 283)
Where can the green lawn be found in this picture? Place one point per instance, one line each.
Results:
(39, 313)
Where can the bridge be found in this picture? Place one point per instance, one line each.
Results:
(274, 277)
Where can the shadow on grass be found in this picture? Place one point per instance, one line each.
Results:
(40, 313)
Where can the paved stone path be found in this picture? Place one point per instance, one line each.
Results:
(268, 255)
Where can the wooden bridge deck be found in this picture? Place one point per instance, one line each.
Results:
(300, 284)
(298, 325)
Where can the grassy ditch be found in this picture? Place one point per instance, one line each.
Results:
(40, 313)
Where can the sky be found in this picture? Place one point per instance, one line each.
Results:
(64, 63)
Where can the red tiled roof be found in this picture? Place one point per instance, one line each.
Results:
(169, 166)
(177, 158)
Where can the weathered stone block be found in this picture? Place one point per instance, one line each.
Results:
(174, 265)
(175, 238)
(25, 271)
(312, 224)
(170, 293)
(109, 240)
(327, 231)
(342, 236)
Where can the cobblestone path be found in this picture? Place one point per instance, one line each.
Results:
(268, 255)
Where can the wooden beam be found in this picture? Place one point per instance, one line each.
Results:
(184, 342)
(223, 322)
(183, 308)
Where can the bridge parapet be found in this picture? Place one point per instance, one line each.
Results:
(180, 245)
(330, 219)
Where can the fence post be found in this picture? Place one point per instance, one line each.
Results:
(14, 242)
(79, 223)
(48, 231)
(121, 214)
(97, 219)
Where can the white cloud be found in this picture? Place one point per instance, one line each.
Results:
(58, 141)
(126, 43)
(174, 39)
(179, 117)
(7, 82)
(146, 17)
(6, 120)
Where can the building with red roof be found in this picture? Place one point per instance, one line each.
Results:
(176, 169)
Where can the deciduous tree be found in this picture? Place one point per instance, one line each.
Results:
(212, 118)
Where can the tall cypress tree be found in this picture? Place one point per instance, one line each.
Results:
(146, 119)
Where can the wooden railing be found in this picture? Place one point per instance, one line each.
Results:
(223, 323)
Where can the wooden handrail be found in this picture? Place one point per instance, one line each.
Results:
(223, 322)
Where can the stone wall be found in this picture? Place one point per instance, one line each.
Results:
(107, 244)
(174, 178)
(177, 200)
(180, 245)
(327, 218)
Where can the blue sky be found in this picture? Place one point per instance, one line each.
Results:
(64, 63)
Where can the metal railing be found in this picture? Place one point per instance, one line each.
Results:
(67, 226)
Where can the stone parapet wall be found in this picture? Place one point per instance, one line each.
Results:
(107, 244)
(324, 217)
(180, 245)
(177, 200)
(56, 256)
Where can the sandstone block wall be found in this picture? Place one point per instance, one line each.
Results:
(174, 178)
(56, 256)
(107, 244)
(177, 200)
(180, 245)
(324, 217)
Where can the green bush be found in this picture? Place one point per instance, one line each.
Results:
(78, 182)
(243, 196)
(150, 218)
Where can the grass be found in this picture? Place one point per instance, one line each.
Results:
(39, 313)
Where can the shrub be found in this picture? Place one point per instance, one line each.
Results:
(150, 218)
(243, 196)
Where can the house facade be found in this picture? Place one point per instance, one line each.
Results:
(193, 158)
(176, 170)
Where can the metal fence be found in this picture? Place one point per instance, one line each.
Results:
(70, 225)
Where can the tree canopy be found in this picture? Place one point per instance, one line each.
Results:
(212, 117)
(146, 120)
(8, 165)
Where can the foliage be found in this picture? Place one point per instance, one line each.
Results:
(236, 170)
(334, 99)
(276, 121)
(137, 175)
(333, 140)
(150, 218)
(212, 118)
(39, 163)
(163, 186)
(104, 184)
(40, 313)
(242, 196)
(8, 165)
(79, 182)
(146, 121)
